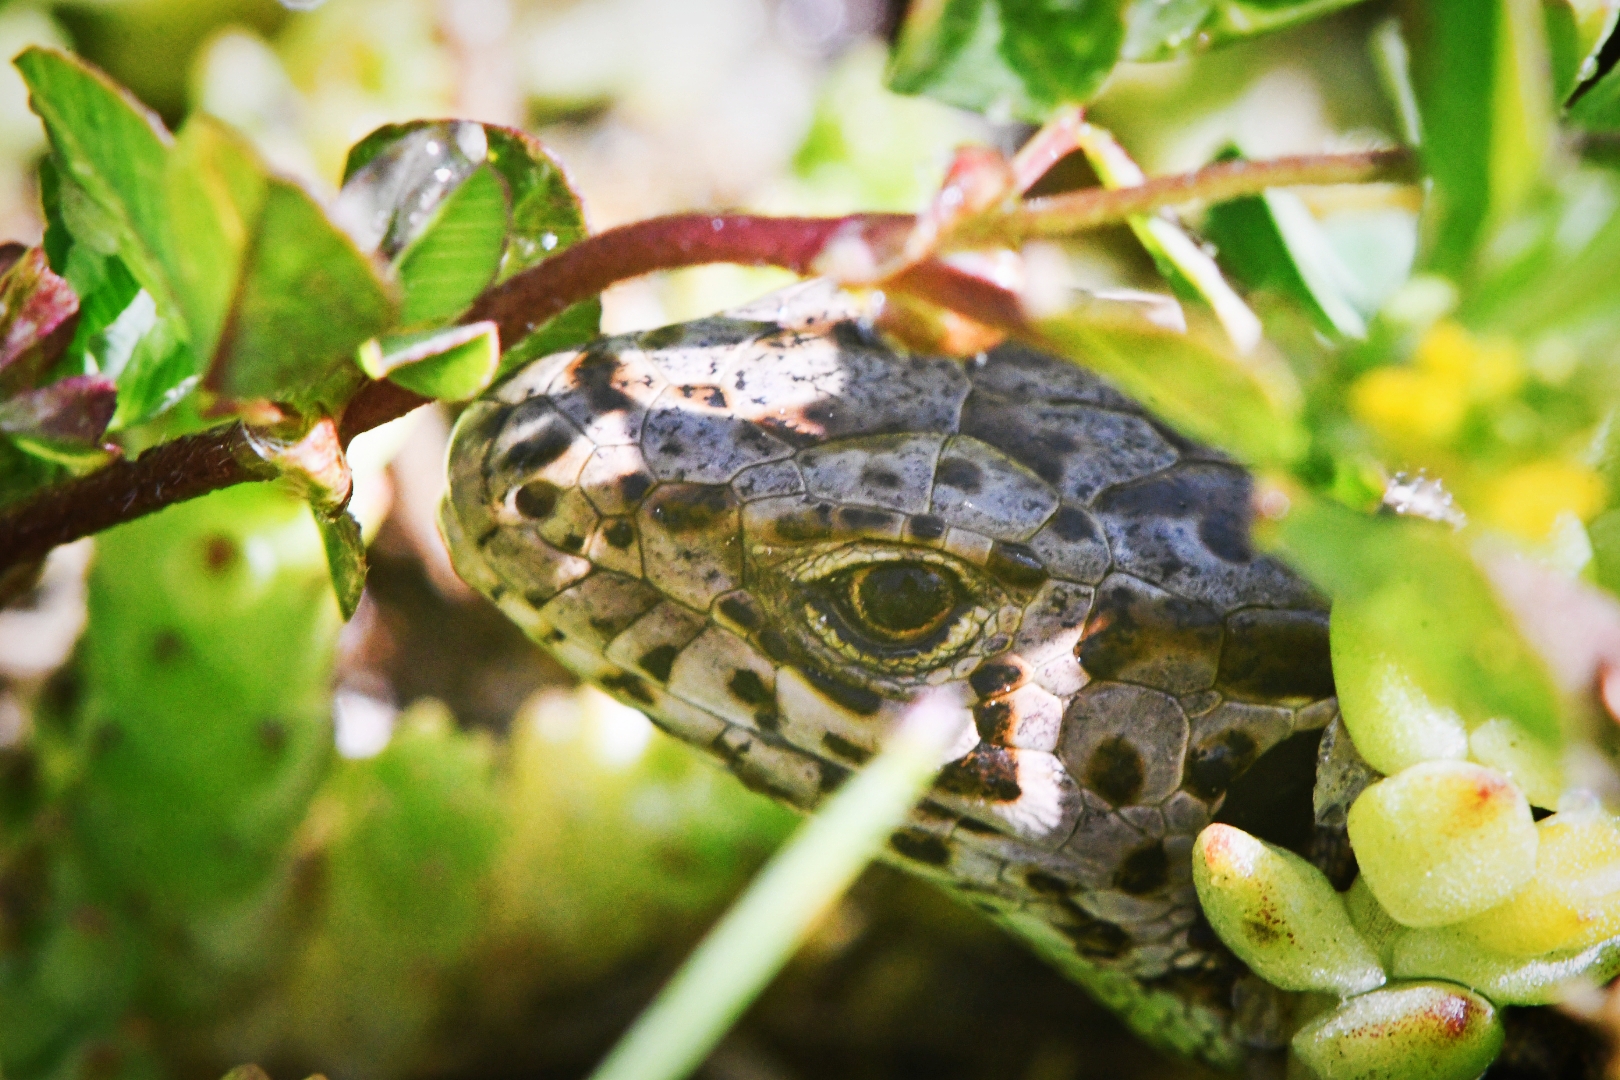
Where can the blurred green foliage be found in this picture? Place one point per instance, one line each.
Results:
(202, 878)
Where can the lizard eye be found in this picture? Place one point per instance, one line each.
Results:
(897, 602)
(890, 614)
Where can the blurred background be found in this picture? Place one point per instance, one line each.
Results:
(235, 830)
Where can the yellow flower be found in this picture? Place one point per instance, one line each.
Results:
(1528, 498)
(1428, 399)
(1408, 403)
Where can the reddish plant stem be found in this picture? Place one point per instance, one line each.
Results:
(169, 473)
(198, 464)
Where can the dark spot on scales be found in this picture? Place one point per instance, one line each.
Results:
(873, 476)
(812, 524)
(1272, 654)
(658, 661)
(833, 775)
(1073, 525)
(987, 772)
(1115, 771)
(856, 699)
(1216, 496)
(922, 847)
(774, 645)
(747, 687)
(1015, 565)
(926, 527)
(1144, 870)
(628, 685)
(537, 500)
(1135, 633)
(993, 720)
(619, 534)
(595, 375)
(572, 542)
(685, 508)
(634, 486)
(845, 749)
(959, 473)
(541, 450)
(711, 396)
(1097, 939)
(740, 610)
(1046, 884)
(995, 677)
(860, 518)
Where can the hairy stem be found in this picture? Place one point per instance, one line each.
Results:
(197, 464)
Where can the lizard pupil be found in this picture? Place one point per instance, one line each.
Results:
(902, 600)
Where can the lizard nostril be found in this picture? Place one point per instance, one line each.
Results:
(537, 499)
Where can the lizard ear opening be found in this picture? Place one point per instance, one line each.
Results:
(1272, 797)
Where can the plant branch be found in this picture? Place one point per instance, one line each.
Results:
(168, 473)
(1077, 211)
(197, 464)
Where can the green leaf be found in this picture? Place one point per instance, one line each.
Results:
(1481, 74)
(400, 168)
(1185, 264)
(1196, 381)
(1161, 29)
(1271, 241)
(1007, 56)
(453, 364)
(1560, 274)
(572, 326)
(1409, 590)
(161, 370)
(1576, 31)
(306, 301)
(546, 212)
(455, 256)
(207, 667)
(217, 188)
(113, 150)
(801, 882)
(345, 557)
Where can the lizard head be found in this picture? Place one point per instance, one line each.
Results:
(768, 530)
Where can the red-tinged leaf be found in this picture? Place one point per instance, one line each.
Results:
(74, 410)
(37, 317)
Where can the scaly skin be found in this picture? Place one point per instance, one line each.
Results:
(687, 518)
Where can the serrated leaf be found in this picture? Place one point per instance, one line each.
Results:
(1193, 379)
(1482, 78)
(113, 150)
(1432, 607)
(456, 255)
(546, 213)
(345, 557)
(453, 364)
(306, 300)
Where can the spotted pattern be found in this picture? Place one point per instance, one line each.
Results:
(660, 510)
